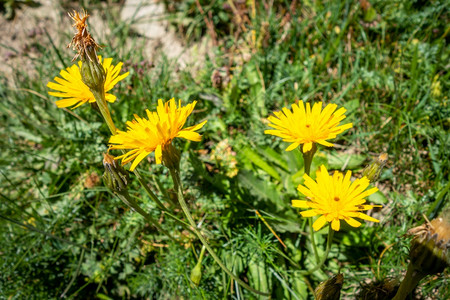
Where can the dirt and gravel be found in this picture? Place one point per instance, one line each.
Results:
(47, 24)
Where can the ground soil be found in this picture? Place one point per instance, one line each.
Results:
(48, 25)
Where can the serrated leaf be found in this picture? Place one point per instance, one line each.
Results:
(262, 189)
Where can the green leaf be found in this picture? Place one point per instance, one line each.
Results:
(200, 170)
(103, 296)
(377, 198)
(259, 161)
(338, 161)
(274, 157)
(262, 189)
(351, 106)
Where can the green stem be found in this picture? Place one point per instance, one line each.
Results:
(313, 239)
(149, 191)
(163, 191)
(324, 258)
(411, 280)
(202, 252)
(307, 161)
(177, 183)
(308, 158)
(103, 107)
(125, 197)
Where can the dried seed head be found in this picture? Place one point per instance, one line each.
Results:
(330, 289)
(430, 246)
(82, 41)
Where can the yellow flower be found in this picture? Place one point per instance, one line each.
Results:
(335, 198)
(306, 126)
(75, 92)
(153, 134)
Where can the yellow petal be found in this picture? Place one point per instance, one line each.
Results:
(307, 147)
(138, 159)
(300, 203)
(292, 146)
(319, 223)
(367, 218)
(189, 135)
(158, 154)
(352, 222)
(335, 224)
(309, 213)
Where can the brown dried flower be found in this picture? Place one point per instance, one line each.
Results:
(430, 246)
(429, 253)
(82, 41)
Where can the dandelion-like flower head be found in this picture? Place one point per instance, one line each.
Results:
(307, 126)
(143, 136)
(75, 92)
(335, 198)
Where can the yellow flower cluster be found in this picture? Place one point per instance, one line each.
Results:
(332, 198)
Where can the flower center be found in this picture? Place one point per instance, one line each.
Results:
(308, 125)
(336, 199)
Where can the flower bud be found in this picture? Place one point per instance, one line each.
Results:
(115, 177)
(196, 274)
(373, 171)
(93, 74)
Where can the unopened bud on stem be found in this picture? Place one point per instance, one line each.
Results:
(93, 74)
(115, 177)
(429, 253)
(373, 171)
(196, 273)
